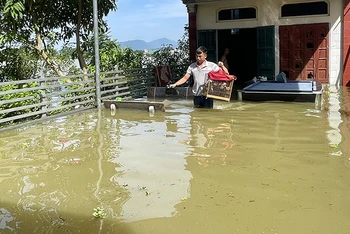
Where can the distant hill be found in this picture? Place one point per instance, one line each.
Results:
(142, 45)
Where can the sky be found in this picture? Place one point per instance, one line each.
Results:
(147, 20)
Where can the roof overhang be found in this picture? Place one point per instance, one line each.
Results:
(198, 1)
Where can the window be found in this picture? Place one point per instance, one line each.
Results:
(238, 13)
(307, 8)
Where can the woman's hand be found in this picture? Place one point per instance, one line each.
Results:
(222, 66)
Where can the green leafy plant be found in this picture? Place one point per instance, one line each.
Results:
(99, 213)
(35, 94)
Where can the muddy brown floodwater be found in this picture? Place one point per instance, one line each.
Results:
(244, 167)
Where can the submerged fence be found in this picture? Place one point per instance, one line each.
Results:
(47, 97)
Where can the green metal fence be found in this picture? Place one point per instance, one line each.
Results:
(46, 97)
(38, 99)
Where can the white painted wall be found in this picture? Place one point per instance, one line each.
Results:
(268, 13)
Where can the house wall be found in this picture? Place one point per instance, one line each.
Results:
(346, 44)
(268, 13)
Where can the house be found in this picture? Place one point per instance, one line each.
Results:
(306, 39)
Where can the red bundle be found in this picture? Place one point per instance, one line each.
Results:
(221, 75)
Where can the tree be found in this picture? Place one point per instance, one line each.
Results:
(66, 58)
(80, 24)
(183, 46)
(18, 64)
(169, 55)
(130, 59)
(111, 54)
(39, 23)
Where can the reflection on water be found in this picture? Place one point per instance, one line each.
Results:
(150, 163)
(334, 120)
(244, 167)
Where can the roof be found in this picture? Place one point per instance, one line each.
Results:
(197, 1)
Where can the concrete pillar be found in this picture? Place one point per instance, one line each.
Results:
(192, 30)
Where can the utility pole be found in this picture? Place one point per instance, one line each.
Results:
(97, 56)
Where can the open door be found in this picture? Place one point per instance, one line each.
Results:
(266, 52)
(207, 38)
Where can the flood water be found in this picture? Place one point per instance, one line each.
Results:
(244, 167)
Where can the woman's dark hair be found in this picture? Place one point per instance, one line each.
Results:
(201, 49)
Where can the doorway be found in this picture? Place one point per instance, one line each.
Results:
(242, 59)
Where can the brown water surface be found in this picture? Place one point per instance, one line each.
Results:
(244, 167)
